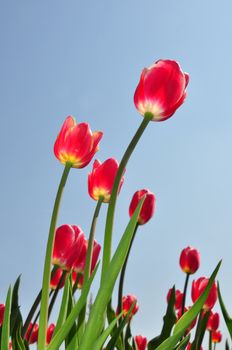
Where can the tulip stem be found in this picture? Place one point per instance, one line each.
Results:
(48, 258)
(122, 275)
(112, 204)
(87, 270)
(184, 293)
(210, 340)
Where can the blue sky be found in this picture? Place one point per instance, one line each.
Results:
(85, 58)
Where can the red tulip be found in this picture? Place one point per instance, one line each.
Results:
(68, 245)
(148, 207)
(79, 264)
(189, 260)
(50, 331)
(57, 278)
(141, 342)
(127, 302)
(34, 333)
(101, 179)
(216, 337)
(199, 286)
(2, 309)
(161, 89)
(76, 144)
(179, 298)
(213, 321)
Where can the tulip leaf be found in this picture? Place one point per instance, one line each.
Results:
(6, 322)
(18, 343)
(66, 327)
(227, 318)
(16, 317)
(97, 314)
(73, 330)
(188, 317)
(200, 331)
(183, 344)
(101, 340)
(169, 321)
(64, 306)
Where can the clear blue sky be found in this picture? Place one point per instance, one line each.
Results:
(85, 58)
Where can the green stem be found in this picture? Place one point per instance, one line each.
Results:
(111, 209)
(184, 293)
(47, 265)
(87, 270)
(122, 276)
(210, 340)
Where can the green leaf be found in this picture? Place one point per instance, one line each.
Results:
(64, 330)
(227, 318)
(18, 343)
(73, 330)
(200, 331)
(97, 314)
(16, 317)
(183, 344)
(6, 322)
(64, 307)
(188, 317)
(101, 340)
(169, 321)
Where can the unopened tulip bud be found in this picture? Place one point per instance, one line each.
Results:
(141, 342)
(199, 286)
(189, 260)
(213, 321)
(32, 334)
(216, 336)
(101, 179)
(148, 207)
(50, 331)
(76, 144)
(161, 89)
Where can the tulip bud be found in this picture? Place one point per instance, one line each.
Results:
(32, 334)
(50, 331)
(178, 298)
(189, 260)
(2, 309)
(199, 286)
(141, 342)
(216, 337)
(127, 302)
(161, 89)
(76, 144)
(148, 207)
(101, 179)
(213, 321)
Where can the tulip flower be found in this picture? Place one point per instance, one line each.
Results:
(101, 179)
(76, 144)
(79, 264)
(216, 337)
(127, 302)
(178, 298)
(141, 342)
(68, 245)
(189, 260)
(148, 207)
(213, 321)
(2, 309)
(57, 279)
(161, 89)
(32, 334)
(50, 331)
(199, 286)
